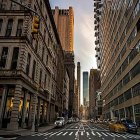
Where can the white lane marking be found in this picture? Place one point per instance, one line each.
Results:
(87, 134)
(117, 135)
(70, 133)
(65, 133)
(110, 134)
(104, 134)
(82, 133)
(93, 133)
(76, 133)
(99, 134)
(59, 133)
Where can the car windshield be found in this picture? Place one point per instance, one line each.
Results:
(58, 119)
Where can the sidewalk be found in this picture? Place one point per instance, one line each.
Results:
(24, 132)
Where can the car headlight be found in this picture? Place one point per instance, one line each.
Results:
(55, 123)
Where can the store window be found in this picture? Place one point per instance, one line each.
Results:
(1, 93)
(135, 71)
(19, 27)
(122, 113)
(14, 58)
(128, 95)
(8, 107)
(9, 28)
(3, 57)
(136, 90)
(28, 64)
(126, 79)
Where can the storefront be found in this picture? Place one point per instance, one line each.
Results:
(7, 95)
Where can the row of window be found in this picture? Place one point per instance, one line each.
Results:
(14, 61)
(10, 26)
(134, 32)
(135, 71)
(126, 29)
(131, 93)
(126, 112)
(124, 65)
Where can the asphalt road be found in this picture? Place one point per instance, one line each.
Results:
(81, 131)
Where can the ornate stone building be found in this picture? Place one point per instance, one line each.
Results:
(28, 66)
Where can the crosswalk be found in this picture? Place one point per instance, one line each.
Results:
(88, 134)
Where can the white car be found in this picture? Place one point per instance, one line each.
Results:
(60, 122)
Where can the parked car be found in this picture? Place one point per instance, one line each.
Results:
(70, 120)
(117, 127)
(130, 125)
(60, 122)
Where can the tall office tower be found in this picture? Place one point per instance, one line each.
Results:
(64, 20)
(85, 88)
(79, 81)
(119, 49)
(94, 86)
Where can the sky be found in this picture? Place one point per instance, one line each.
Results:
(84, 48)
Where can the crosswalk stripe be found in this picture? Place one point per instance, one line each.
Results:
(99, 134)
(59, 133)
(76, 133)
(104, 134)
(110, 134)
(117, 135)
(87, 133)
(93, 133)
(71, 133)
(121, 135)
(65, 133)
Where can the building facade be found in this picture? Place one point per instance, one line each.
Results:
(79, 83)
(119, 53)
(85, 88)
(76, 99)
(28, 65)
(94, 85)
(64, 20)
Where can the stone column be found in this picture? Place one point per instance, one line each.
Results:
(24, 111)
(134, 117)
(43, 112)
(13, 125)
(3, 102)
(33, 112)
(38, 111)
(49, 112)
(30, 111)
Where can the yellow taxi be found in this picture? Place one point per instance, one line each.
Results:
(117, 127)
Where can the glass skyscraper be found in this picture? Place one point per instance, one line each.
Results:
(85, 88)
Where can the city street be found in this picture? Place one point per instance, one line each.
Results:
(81, 131)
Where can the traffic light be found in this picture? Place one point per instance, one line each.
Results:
(35, 25)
